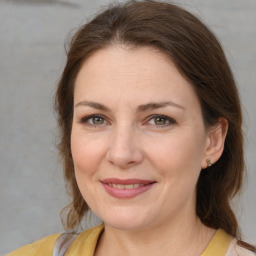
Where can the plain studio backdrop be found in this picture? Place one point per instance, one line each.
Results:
(32, 56)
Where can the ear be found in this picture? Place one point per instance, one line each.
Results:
(216, 136)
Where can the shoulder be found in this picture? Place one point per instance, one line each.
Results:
(222, 244)
(82, 244)
(85, 243)
(235, 249)
(43, 246)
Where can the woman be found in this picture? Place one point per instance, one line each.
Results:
(150, 135)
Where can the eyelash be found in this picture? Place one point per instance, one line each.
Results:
(166, 118)
(87, 118)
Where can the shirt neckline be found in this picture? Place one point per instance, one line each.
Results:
(218, 245)
(86, 243)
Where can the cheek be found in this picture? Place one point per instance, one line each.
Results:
(87, 152)
(177, 155)
(87, 155)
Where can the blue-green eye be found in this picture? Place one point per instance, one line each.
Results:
(95, 120)
(160, 120)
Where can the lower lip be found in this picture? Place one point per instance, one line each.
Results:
(126, 193)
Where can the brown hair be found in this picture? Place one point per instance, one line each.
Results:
(199, 57)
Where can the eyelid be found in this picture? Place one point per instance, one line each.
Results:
(85, 119)
(170, 120)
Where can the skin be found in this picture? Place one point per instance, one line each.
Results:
(129, 140)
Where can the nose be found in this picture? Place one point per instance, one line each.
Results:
(124, 149)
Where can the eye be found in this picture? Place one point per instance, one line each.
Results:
(94, 120)
(160, 120)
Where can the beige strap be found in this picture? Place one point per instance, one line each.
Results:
(234, 249)
(62, 244)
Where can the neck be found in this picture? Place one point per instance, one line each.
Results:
(184, 237)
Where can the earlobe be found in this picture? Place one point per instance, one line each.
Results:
(215, 142)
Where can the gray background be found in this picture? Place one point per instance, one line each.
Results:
(32, 35)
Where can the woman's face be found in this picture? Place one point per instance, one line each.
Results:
(138, 139)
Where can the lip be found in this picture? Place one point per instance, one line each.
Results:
(124, 192)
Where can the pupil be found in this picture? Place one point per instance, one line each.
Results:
(160, 120)
(97, 120)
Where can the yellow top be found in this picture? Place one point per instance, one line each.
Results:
(218, 245)
(85, 244)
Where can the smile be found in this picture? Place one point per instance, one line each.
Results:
(121, 186)
(126, 188)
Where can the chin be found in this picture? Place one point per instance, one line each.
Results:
(132, 221)
(126, 226)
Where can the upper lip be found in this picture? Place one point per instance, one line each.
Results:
(126, 181)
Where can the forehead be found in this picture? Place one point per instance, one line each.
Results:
(117, 59)
(143, 73)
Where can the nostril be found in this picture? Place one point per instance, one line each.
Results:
(124, 159)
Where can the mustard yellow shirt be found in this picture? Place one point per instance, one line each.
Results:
(86, 242)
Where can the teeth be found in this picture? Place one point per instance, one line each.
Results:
(129, 186)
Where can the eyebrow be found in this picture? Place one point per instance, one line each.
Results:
(92, 105)
(140, 108)
(155, 105)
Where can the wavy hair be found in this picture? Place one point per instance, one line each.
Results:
(198, 55)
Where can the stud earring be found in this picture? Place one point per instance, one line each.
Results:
(209, 162)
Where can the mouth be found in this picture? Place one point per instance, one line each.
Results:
(121, 186)
(126, 188)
